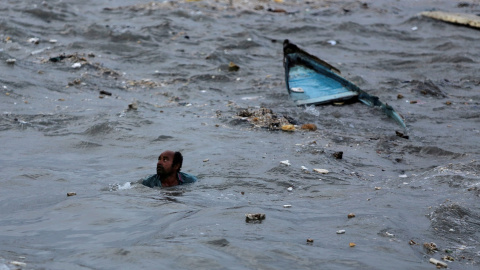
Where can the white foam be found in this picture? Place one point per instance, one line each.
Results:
(127, 185)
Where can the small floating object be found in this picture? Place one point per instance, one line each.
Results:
(287, 206)
(340, 231)
(411, 242)
(304, 168)
(290, 188)
(311, 127)
(102, 92)
(233, 67)
(309, 240)
(133, 106)
(378, 188)
(285, 162)
(34, 40)
(254, 217)
(77, 65)
(389, 234)
(352, 244)
(21, 264)
(206, 160)
(321, 82)
(351, 215)
(288, 128)
(11, 61)
(338, 155)
(430, 246)
(71, 194)
(438, 263)
(322, 171)
(332, 42)
(471, 20)
(448, 258)
(52, 41)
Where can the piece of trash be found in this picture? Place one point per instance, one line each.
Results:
(332, 42)
(287, 206)
(311, 127)
(71, 193)
(254, 217)
(288, 128)
(411, 242)
(432, 247)
(389, 234)
(102, 92)
(448, 103)
(322, 171)
(304, 168)
(297, 89)
(77, 65)
(438, 263)
(290, 188)
(399, 96)
(21, 264)
(448, 258)
(309, 240)
(133, 106)
(402, 176)
(340, 231)
(52, 41)
(378, 188)
(34, 40)
(351, 215)
(313, 72)
(285, 162)
(414, 28)
(458, 18)
(351, 244)
(206, 160)
(401, 135)
(338, 155)
(11, 61)
(233, 67)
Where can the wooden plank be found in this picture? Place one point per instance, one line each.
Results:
(458, 18)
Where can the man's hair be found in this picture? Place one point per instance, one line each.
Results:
(177, 159)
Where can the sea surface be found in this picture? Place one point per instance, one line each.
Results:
(91, 92)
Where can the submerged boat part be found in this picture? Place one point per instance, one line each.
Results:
(311, 80)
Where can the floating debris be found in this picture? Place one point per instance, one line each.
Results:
(351, 244)
(288, 128)
(11, 61)
(432, 247)
(285, 162)
(102, 92)
(351, 215)
(378, 188)
(233, 67)
(471, 20)
(411, 242)
(265, 118)
(309, 240)
(311, 127)
(206, 160)
(304, 168)
(77, 65)
(20, 264)
(34, 40)
(448, 258)
(338, 155)
(389, 234)
(290, 189)
(71, 194)
(438, 263)
(287, 206)
(52, 41)
(401, 135)
(254, 217)
(341, 232)
(322, 171)
(133, 106)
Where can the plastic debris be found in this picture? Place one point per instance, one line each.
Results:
(102, 92)
(254, 217)
(71, 194)
(287, 206)
(471, 20)
(351, 244)
(432, 247)
(288, 128)
(133, 106)
(34, 40)
(448, 258)
(11, 61)
(233, 67)
(378, 188)
(290, 188)
(411, 242)
(438, 263)
(21, 264)
(285, 162)
(322, 171)
(304, 168)
(297, 89)
(332, 42)
(309, 240)
(351, 215)
(77, 65)
(311, 127)
(340, 231)
(338, 155)
(389, 234)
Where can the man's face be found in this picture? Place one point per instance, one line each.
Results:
(165, 164)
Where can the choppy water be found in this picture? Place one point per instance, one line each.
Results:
(171, 60)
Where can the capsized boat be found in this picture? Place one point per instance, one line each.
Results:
(311, 80)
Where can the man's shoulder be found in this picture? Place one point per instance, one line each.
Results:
(151, 181)
(187, 178)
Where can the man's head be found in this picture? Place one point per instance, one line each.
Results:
(169, 163)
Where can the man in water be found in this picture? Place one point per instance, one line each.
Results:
(168, 172)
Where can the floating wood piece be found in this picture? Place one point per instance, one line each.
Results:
(458, 18)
